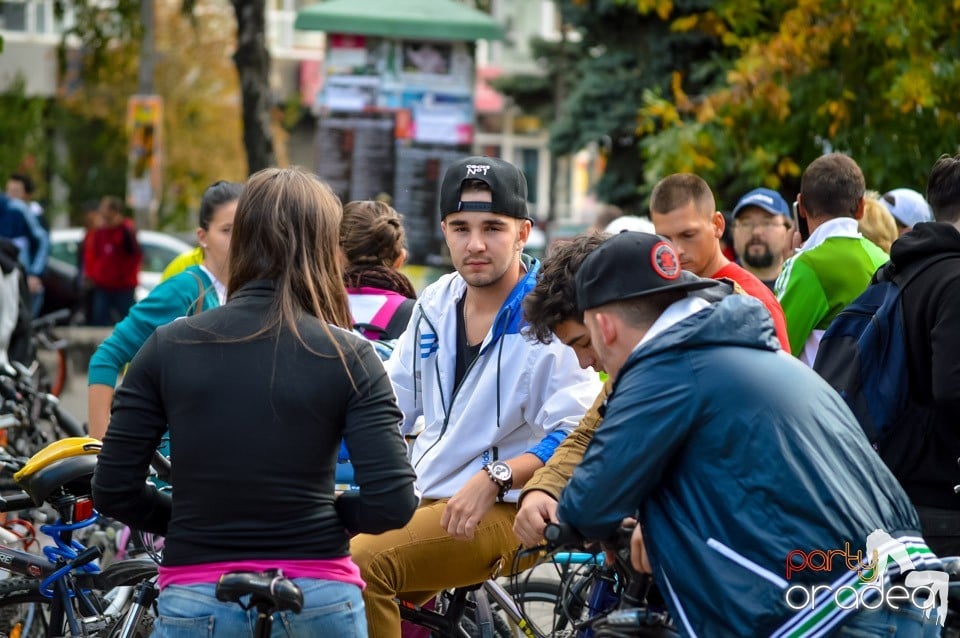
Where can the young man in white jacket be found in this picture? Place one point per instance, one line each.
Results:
(495, 403)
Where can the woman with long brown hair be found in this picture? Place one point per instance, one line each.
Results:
(258, 394)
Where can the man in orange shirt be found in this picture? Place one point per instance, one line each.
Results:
(684, 211)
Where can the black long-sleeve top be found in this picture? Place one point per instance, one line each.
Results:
(255, 427)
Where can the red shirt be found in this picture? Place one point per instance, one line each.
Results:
(112, 257)
(756, 288)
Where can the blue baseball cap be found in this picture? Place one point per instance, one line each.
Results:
(765, 198)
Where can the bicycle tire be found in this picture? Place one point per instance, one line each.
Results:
(501, 628)
(536, 592)
(17, 595)
(59, 382)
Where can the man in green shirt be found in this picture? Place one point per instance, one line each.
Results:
(836, 262)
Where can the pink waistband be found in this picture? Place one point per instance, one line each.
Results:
(343, 570)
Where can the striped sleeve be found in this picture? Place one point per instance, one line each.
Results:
(803, 301)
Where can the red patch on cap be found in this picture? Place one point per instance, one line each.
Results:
(665, 260)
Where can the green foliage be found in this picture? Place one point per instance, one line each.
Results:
(22, 127)
(95, 159)
(99, 27)
(599, 80)
(878, 80)
(748, 92)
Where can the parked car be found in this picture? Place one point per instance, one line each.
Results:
(60, 280)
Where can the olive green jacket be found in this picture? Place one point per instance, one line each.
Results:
(552, 477)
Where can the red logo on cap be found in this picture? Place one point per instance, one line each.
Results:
(665, 260)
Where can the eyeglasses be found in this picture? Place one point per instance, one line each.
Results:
(763, 224)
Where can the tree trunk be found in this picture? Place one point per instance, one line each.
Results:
(253, 67)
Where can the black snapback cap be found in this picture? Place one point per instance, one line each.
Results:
(630, 265)
(507, 185)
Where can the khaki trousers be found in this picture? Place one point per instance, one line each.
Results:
(421, 559)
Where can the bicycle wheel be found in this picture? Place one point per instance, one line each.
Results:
(24, 611)
(539, 602)
(501, 628)
(58, 381)
(51, 372)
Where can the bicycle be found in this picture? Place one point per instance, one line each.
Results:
(63, 592)
(29, 417)
(590, 598)
(463, 613)
(47, 341)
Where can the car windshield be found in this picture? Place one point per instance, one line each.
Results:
(156, 258)
(64, 251)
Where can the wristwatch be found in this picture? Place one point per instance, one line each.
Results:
(501, 474)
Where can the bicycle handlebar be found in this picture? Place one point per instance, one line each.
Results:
(49, 320)
(16, 502)
(562, 534)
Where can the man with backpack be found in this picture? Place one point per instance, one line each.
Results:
(918, 435)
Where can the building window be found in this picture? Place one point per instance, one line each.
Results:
(13, 16)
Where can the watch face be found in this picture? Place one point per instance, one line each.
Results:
(501, 471)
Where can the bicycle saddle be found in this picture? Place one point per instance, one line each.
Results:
(268, 591)
(62, 463)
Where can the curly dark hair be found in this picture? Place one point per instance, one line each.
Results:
(554, 299)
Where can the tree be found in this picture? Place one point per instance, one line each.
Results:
(102, 28)
(21, 127)
(878, 80)
(253, 67)
(594, 84)
(195, 76)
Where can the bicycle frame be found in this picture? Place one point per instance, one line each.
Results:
(448, 623)
(67, 573)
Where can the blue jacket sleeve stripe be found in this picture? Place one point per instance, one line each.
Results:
(548, 445)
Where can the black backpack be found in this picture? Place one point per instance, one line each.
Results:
(863, 353)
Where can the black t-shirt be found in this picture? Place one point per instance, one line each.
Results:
(465, 352)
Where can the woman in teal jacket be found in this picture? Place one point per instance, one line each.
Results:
(195, 289)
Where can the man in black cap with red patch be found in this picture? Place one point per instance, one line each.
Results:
(736, 459)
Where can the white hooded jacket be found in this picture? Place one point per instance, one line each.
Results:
(517, 396)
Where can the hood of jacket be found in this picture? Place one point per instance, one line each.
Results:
(436, 301)
(925, 239)
(730, 320)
